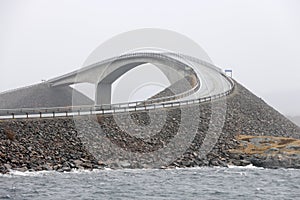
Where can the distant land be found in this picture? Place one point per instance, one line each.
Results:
(295, 119)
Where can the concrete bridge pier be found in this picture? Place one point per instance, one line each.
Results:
(103, 93)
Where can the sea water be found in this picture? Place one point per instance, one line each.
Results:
(190, 183)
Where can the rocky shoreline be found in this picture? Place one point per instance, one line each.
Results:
(65, 152)
(268, 151)
(252, 133)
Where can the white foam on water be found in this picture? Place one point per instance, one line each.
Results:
(29, 173)
(13, 173)
(244, 167)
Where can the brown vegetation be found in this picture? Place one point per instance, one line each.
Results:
(265, 144)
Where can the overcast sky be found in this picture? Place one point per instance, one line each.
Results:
(259, 40)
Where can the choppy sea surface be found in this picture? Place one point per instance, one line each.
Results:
(192, 183)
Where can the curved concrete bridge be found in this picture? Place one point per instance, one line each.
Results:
(207, 82)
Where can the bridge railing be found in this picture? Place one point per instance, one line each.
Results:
(104, 109)
(121, 107)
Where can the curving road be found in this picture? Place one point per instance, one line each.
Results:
(211, 84)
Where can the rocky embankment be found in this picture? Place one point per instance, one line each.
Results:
(252, 133)
(43, 144)
(42, 96)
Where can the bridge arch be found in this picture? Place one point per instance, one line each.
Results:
(104, 73)
(173, 69)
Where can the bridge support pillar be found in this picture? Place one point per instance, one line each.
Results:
(103, 93)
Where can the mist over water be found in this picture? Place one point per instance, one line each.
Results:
(193, 183)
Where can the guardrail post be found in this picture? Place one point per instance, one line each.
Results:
(13, 115)
(53, 114)
(40, 114)
(27, 115)
(66, 113)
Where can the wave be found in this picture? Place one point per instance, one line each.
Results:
(244, 167)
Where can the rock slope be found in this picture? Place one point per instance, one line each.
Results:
(57, 144)
(42, 95)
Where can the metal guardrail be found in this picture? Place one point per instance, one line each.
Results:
(105, 109)
(162, 102)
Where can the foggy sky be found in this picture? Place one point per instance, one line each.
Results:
(259, 40)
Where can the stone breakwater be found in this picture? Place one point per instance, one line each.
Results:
(58, 144)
